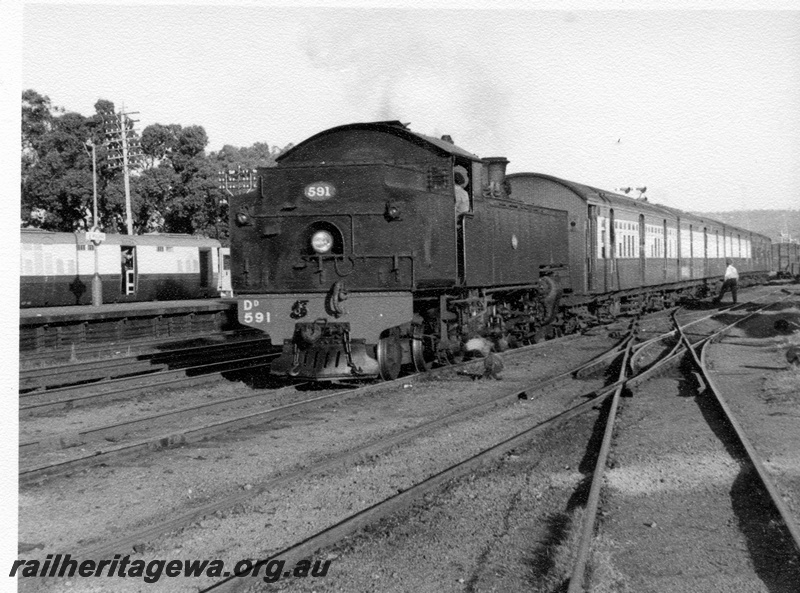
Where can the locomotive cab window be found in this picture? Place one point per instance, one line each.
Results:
(462, 188)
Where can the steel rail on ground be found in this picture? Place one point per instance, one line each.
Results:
(152, 380)
(146, 345)
(576, 581)
(382, 444)
(752, 454)
(108, 364)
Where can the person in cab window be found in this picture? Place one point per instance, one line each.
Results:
(460, 182)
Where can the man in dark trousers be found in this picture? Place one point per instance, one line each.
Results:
(730, 282)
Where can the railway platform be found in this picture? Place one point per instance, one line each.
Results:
(44, 328)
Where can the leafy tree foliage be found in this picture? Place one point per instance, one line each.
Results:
(56, 168)
(259, 154)
(37, 120)
(174, 186)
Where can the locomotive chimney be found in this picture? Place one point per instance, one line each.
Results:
(495, 167)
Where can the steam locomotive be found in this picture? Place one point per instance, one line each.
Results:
(370, 248)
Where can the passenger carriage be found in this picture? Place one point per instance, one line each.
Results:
(56, 269)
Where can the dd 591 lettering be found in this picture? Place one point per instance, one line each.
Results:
(250, 315)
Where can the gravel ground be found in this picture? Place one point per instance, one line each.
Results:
(143, 403)
(683, 510)
(147, 490)
(137, 493)
(491, 531)
(763, 391)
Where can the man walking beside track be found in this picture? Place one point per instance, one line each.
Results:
(730, 282)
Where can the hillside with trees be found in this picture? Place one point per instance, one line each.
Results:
(174, 183)
(766, 222)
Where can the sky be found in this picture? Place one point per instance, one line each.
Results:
(700, 106)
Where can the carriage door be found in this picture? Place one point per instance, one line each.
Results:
(705, 253)
(611, 263)
(224, 284)
(205, 267)
(591, 249)
(128, 271)
(642, 254)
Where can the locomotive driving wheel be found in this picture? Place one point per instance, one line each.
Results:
(422, 360)
(390, 357)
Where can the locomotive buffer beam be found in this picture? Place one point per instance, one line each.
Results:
(323, 350)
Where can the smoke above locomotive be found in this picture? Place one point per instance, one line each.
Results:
(370, 248)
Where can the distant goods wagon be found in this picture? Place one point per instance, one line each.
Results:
(786, 259)
(371, 247)
(56, 269)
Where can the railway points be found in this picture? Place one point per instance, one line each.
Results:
(689, 487)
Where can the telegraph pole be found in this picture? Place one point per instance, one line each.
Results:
(237, 180)
(128, 212)
(123, 148)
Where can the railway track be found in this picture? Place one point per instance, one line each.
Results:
(733, 455)
(95, 451)
(366, 450)
(68, 386)
(390, 506)
(85, 372)
(103, 453)
(490, 455)
(403, 499)
(589, 400)
(34, 360)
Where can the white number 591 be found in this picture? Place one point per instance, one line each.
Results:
(257, 317)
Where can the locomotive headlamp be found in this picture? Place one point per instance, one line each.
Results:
(322, 242)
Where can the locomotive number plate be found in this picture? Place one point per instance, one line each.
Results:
(320, 190)
(252, 313)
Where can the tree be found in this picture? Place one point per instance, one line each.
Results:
(56, 180)
(174, 187)
(259, 154)
(37, 120)
(178, 190)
